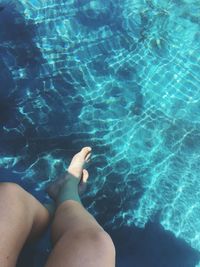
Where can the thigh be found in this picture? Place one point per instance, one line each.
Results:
(21, 215)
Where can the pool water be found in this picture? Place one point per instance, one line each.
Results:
(122, 77)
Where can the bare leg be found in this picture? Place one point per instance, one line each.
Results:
(79, 241)
(21, 217)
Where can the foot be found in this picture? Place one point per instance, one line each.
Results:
(76, 169)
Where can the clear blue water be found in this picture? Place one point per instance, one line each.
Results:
(123, 77)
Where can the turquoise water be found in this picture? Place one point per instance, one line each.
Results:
(121, 76)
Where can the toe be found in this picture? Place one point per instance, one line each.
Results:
(82, 155)
(85, 176)
(87, 158)
(83, 184)
(85, 152)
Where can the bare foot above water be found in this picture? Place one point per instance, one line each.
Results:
(75, 169)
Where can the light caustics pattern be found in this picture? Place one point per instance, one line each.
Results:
(123, 75)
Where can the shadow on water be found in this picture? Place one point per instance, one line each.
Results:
(14, 30)
(152, 247)
(17, 51)
(7, 108)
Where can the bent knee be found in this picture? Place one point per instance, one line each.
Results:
(98, 239)
(105, 241)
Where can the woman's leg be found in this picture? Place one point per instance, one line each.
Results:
(79, 241)
(21, 217)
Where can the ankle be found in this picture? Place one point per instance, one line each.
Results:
(68, 191)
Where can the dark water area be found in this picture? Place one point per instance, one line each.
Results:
(151, 247)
